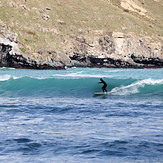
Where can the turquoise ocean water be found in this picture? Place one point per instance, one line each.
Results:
(53, 116)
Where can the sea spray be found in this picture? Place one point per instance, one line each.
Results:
(135, 87)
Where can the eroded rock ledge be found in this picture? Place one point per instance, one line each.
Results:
(113, 50)
(12, 56)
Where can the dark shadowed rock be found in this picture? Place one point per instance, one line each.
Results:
(115, 50)
(11, 56)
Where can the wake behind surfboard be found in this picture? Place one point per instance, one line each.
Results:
(102, 93)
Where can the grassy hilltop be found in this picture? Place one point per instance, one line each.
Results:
(46, 24)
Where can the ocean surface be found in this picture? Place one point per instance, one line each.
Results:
(51, 116)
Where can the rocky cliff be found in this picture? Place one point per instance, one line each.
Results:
(105, 33)
(12, 56)
(115, 50)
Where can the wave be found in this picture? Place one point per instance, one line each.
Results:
(78, 75)
(27, 86)
(5, 77)
(8, 77)
(135, 87)
(6, 68)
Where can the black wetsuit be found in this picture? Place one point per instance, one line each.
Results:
(104, 85)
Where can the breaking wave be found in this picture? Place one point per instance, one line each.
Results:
(149, 85)
(83, 86)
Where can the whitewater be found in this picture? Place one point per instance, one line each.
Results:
(53, 116)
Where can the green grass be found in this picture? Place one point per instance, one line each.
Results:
(81, 17)
(23, 50)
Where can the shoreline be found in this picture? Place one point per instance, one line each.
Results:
(16, 68)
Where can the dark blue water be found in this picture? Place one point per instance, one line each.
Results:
(53, 116)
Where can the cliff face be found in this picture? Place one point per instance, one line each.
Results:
(12, 56)
(98, 33)
(113, 50)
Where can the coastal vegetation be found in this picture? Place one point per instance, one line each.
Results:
(47, 24)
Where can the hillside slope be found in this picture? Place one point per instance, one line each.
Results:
(53, 29)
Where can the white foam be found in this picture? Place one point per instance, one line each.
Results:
(7, 68)
(134, 87)
(77, 75)
(14, 77)
(5, 77)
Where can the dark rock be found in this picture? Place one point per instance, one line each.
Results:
(11, 56)
(115, 51)
(111, 51)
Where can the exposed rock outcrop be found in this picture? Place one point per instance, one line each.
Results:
(12, 56)
(130, 5)
(113, 50)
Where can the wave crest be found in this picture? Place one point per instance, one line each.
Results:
(5, 77)
(134, 87)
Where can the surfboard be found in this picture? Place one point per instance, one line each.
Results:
(102, 93)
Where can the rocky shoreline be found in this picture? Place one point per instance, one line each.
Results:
(112, 50)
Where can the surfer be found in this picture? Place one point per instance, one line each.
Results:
(104, 85)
